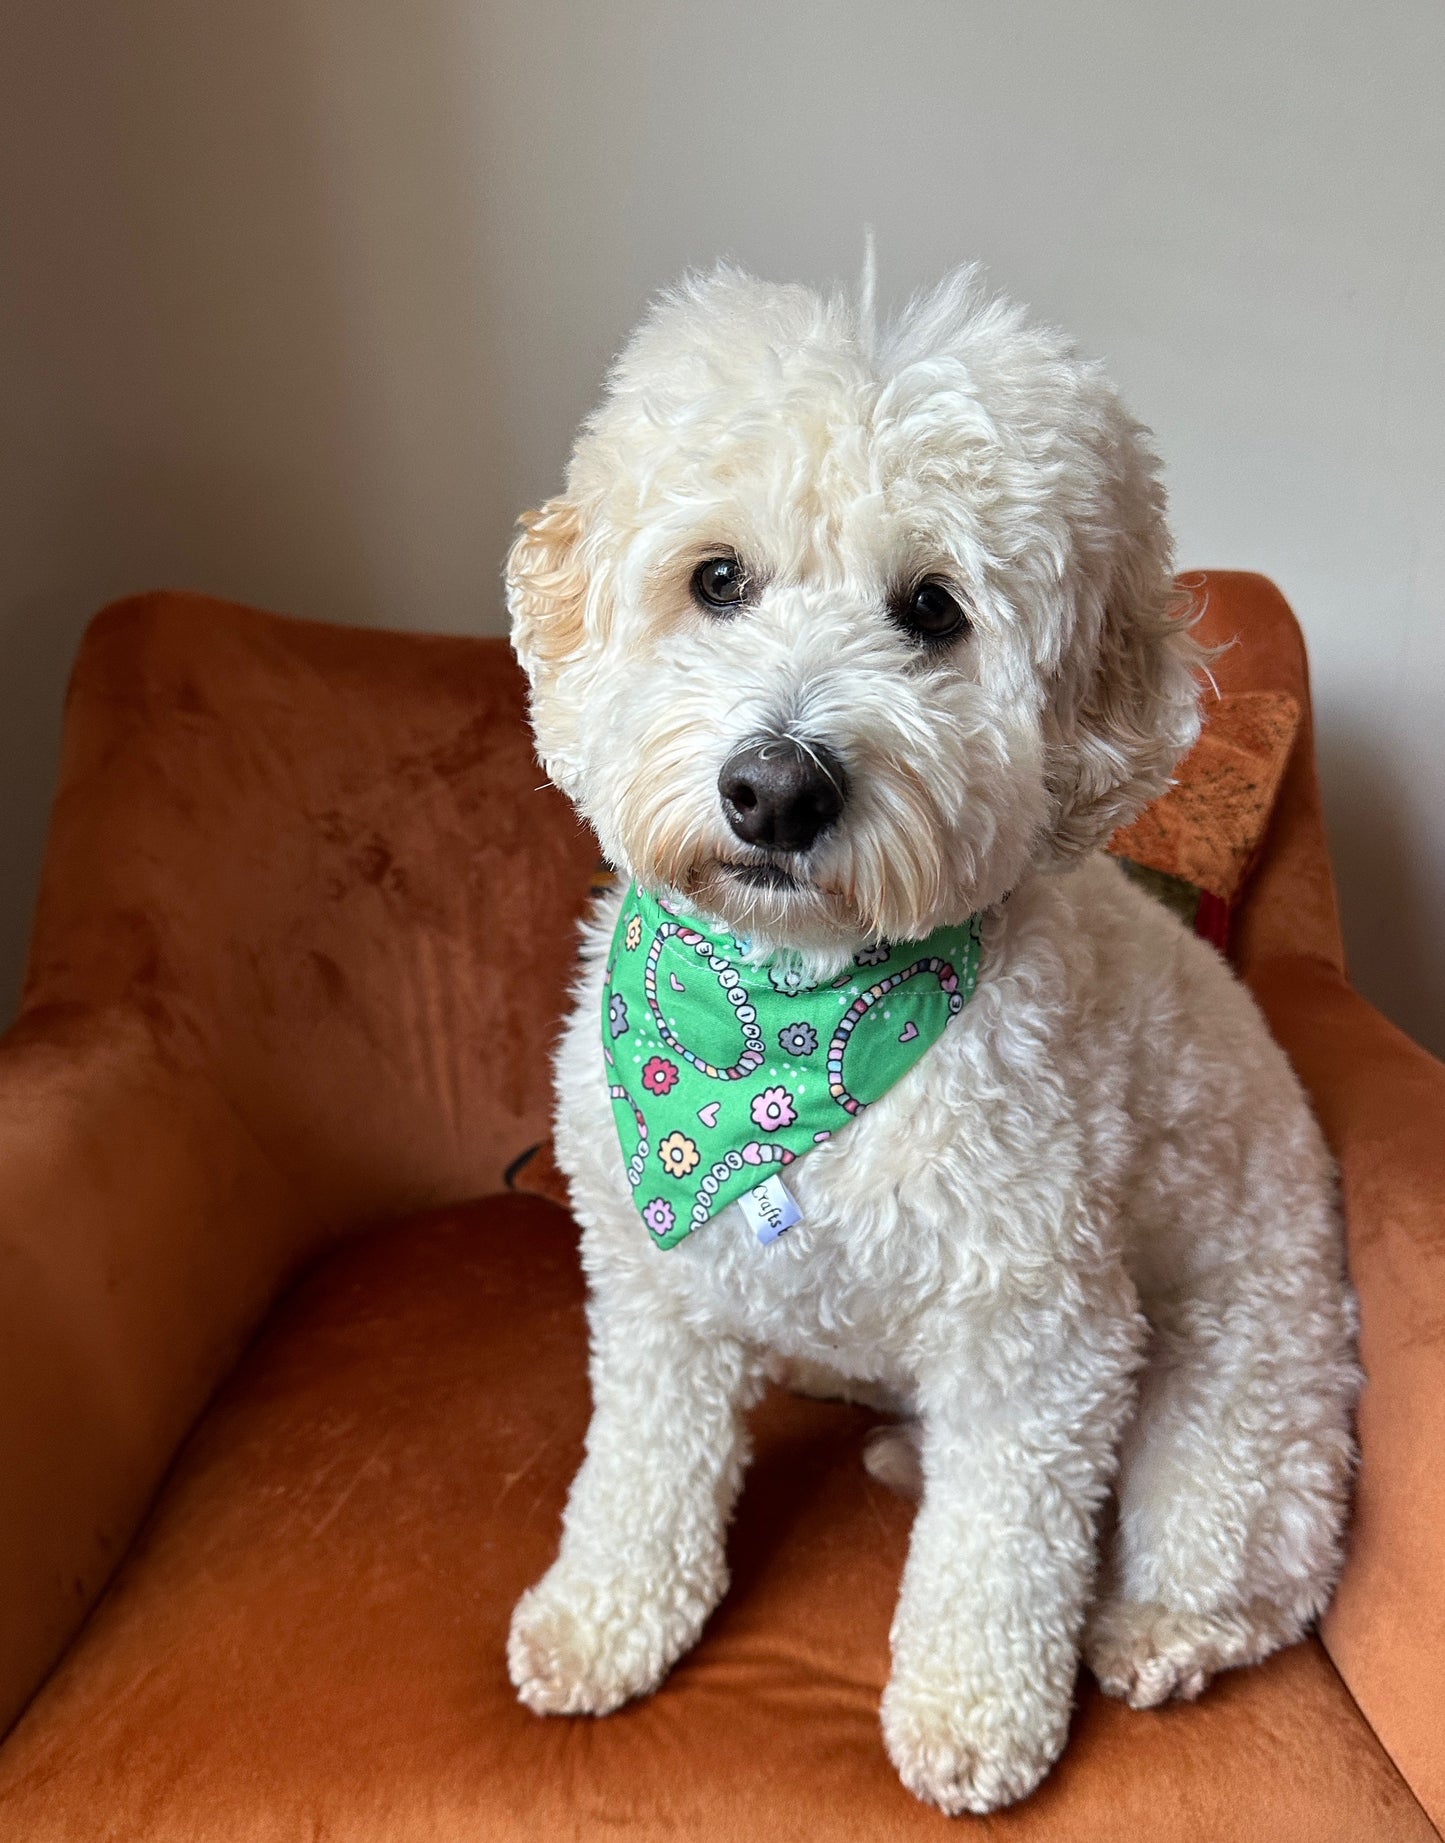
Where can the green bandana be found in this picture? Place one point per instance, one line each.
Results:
(723, 1073)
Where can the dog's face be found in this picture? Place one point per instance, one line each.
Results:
(832, 642)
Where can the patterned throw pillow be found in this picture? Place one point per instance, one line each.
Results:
(1196, 845)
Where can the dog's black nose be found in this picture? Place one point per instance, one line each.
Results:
(782, 795)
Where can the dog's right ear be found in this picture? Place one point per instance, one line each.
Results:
(546, 585)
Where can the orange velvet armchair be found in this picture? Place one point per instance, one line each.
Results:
(292, 1385)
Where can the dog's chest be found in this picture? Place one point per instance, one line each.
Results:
(923, 1211)
(910, 1224)
(851, 1283)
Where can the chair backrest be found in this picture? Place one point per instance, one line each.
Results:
(321, 863)
(1289, 906)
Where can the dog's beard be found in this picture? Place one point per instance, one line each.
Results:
(856, 886)
(773, 898)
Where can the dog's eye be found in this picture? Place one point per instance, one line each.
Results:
(930, 612)
(720, 584)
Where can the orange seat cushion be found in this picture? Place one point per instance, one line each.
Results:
(307, 1640)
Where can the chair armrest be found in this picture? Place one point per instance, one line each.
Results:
(141, 1235)
(1381, 1101)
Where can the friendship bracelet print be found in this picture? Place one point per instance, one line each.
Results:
(864, 1003)
(753, 1055)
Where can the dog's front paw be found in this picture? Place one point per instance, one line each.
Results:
(579, 1647)
(970, 1751)
(1146, 1653)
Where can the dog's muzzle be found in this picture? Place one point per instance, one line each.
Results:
(782, 795)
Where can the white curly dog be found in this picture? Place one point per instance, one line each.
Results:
(1089, 1244)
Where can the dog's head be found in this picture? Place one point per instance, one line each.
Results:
(834, 637)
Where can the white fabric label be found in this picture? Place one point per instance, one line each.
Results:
(771, 1209)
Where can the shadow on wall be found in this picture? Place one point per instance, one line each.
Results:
(228, 336)
(1390, 916)
(112, 532)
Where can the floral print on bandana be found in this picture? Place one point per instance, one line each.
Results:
(773, 1109)
(679, 1154)
(658, 1215)
(797, 1040)
(706, 1108)
(659, 1076)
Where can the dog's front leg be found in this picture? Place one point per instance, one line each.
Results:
(642, 1562)
(986, 1635)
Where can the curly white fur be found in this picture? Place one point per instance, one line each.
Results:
(1090, 1241)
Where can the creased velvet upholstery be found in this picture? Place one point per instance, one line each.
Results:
(321, 862)
(300, 953)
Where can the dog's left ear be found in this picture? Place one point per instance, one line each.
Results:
(546, 583)
(1124, 717)
(549, 588)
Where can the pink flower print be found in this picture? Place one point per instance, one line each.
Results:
(658, 1216)
(678, 1154)
(773, 1109)
(659, 1076)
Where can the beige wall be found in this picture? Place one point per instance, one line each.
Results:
(301, 302)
